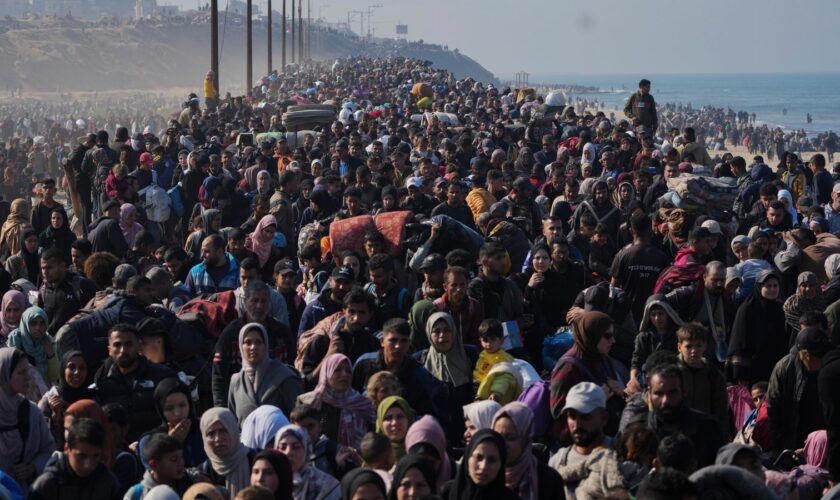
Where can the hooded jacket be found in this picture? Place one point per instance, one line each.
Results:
(105, 235)
(784, 394)
(193, 445)
(648, 340)
(59, 482)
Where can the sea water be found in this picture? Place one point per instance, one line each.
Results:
(767, 95)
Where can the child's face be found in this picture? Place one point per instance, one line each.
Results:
(692, 351)
(170, 468)
(83, 458)
(757, 396)
(491, 344)
(599, 239)
(313, 427)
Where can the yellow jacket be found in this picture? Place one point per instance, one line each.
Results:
(480, 200)
(797, 184)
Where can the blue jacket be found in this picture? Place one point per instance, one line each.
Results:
(199, 280)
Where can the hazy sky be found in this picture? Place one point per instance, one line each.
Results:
(576, 37)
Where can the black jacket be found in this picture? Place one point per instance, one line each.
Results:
(830, 398)
(784, 393)
(65, 301)
(59, 482)
(135, 391)
(419, 386)
(702, 429)
(106, 236)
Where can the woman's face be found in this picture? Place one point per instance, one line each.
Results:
(253, 347)
(130, 217)
(12, 314)
(37, 327)
(340, 380)
(770, 289)
(216, 223)
(413, 486)
(56, 220)
(219, 439)
(607, 341)
(624, 193)
(395, 424)
(367, 491)
(31, 244)
(20, 379)
(268, 233)
(442, 339)
(513, 442)
(75, 372)
(808, 290)
(740, 251)
(388, 202)
(541, 261)
(176, 408)
(262, 183)
(263, 474)
(471, 429)
(485, 463)
(294, 451)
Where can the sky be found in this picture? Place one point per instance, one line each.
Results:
(609, 37)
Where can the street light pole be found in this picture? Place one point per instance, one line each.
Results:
(269, 38)
(283, 38)
(249, 49)
(214, 41)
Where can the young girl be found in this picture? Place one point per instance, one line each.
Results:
(31, 337)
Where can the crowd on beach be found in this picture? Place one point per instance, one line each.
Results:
(436, 288)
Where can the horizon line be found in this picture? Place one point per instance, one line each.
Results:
(740, 73)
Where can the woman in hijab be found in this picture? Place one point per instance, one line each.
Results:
(524, 475)
(308, 483)
(598, 205)
(477, 416)
(262, 380)
(758, 339)
(263, 187)
(261, 242)
(426, 438)
(260, 427)
(58, 235)
(16, 268)
(414, 478)
(273, 471)
(11, 309)
(209, 192)
(808, 297)
(31, 337)
(72, 387)
(446, 358)
(88, 408)
(228, 461)
(624, 198)
(787, 200)
(321, 206)
(174, 405)
(831, 290)
(482, 476)
(816, 445)
(128, 223)
(12, 230)
(393, 418)
(29, 253)
(22, 457)
(347, 415)
(363, 483)
(588, 361)
(211, 221)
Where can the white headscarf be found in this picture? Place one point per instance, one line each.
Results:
(235, 467)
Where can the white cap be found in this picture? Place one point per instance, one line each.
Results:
(712, 226)
(413, 182)
(585, 398)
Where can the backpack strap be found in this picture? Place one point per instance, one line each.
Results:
(137, 491)
(577, 364)
(22, 425)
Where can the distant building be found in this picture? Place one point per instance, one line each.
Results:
(92, 9)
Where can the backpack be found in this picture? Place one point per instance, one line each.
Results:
(537, 398)
(22, 425)
(158, 204)
(756, 430)
(212, 314)
(176, 195)
(400, 297)
(674, 277)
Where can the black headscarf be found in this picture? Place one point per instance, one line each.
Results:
(61, 238)
(466, 489)
(166, 388)
(327, 205)
(409, 462)
(283, 470)
(358, 477)
(33, 264)
(70, 394)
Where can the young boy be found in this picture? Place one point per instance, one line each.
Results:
(601, 253)
(704, 385)
(758, 391)
(78, 473)
(166, 466)
(491, 335)
(324, 451)
(378, 454)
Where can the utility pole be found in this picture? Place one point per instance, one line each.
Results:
(293, 31)
(214, 41)
(369, 14)
(269, 38)
(308, 29)
(300, 31)
(249, 48)
(283, 38)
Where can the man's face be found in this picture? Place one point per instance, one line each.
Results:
(340, 287)
(586, 428)
(247, 276)
(552, 229)
(703, 246)
(78, 259)
(123, 348)
(353, 204)
(380, 278)
(715, 281)
(775, 216)
(641, 184)
(600, 195)
(671, 171)
(645, 89)
(236, 247)
(258, 305)
(53, 271)
(145, 294)
(560, 254)
(766, 200)
(456, 287)
(170, 468)
(665, 395)
(395, 346)
(210, 255)
(83, 458)
(174, 267)
(356, 316)
(453, 195)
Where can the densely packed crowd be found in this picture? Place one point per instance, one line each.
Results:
(443, 290)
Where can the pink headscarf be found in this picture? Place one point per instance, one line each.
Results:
(12, 296)
(521, 476)
(357, 412)
(254, 372)
(428, 430)
(815, 445)
(130, 231)
(256, 243)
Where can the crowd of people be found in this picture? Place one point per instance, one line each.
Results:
(441, 292)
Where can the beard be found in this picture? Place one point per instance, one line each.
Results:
(586, 439)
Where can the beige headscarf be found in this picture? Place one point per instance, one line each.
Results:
(452, 366)
(16, 223)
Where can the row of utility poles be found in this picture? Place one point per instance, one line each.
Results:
(297, 35)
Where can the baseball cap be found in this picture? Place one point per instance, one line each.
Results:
(284, 266)
(813, 340)
(596, 298)
(146, 158)
(433, 262)
(413, 182)
(585, 398)
(110, 204)
(523, 183)
(403, 148)
(341, 145)
(712, 226)
(439, 181)
(342, 273)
